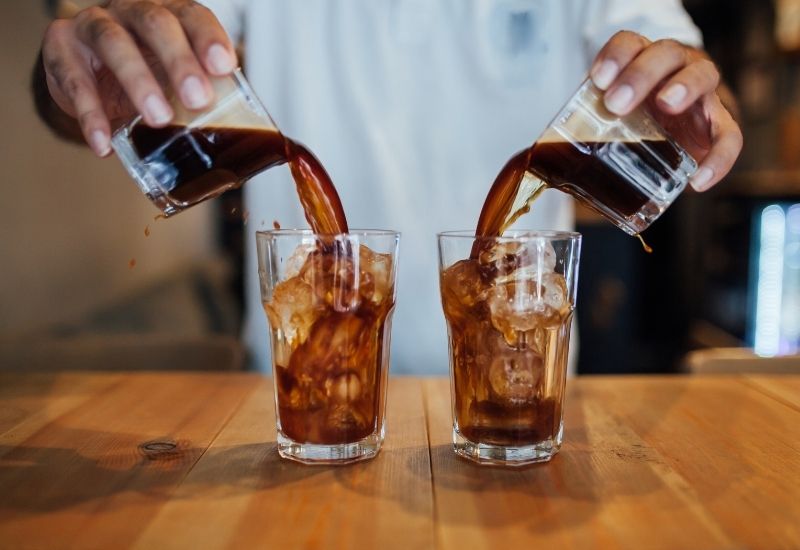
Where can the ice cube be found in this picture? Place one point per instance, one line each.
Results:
(543, 255)
(292, 310)
(462, 284)
(332, 275)
(343, 388)
(376, 275)
(515, 375)
(513, 308)
(554, 293)
(295, 262)
(502, 260)
(521, 305)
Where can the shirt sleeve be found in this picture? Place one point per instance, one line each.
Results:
(231, 14)
(654, 19)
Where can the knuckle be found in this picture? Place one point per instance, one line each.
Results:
(188, 8)
(672, 48)
(55, 30)
(637, 77)
(52, 59)
(91, 13)
(150, 17)
(136, 81)
(102, 30)
(72, 86)
(625, 36)
(707, 68)
(87, 118)
(183, 62)
(625, 44)
(55, 65)
(668, 43)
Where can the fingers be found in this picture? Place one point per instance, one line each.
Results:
(161, 31)
(726, 145)
(630, 67)
(692, 82)
(208, 39)
(644, 73)
(117, 49)
(69, 76)
(617, 54)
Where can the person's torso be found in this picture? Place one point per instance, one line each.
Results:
(413, 106)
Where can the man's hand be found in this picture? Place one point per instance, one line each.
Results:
(107, 62)
(681, 84)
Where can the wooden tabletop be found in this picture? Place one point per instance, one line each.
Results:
(189, 461)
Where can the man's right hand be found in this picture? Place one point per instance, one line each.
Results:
(106, 63)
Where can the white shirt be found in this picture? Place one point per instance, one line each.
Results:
(413, 106)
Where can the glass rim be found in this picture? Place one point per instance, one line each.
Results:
(514, 235)
(272, 233)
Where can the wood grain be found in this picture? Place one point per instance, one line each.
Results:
(250, 497)
(648, 462)
(83, 480)
(29, 402)
(783, 388)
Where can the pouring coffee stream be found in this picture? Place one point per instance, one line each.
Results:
(557, 165)
(231, 156)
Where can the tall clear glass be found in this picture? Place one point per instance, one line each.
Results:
(329, 301)
(509, 312)
(201, 154)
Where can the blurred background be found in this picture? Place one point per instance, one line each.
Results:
(92, 280)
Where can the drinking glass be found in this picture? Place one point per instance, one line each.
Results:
(329, 300)
(509, 311)
(627, 168)
(201, 154)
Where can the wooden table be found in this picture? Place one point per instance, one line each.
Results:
(656, 462)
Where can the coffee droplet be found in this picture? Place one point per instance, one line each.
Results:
(146, 230)
(646, 246)
(275, 224)
(132, 263)
(159, 217)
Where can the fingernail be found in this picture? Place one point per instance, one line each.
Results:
(99, 142)
(220, 61)
(702, 179)
(193, 93)
(157, 110)
(674, 95)
(604, 74)
(619, 100)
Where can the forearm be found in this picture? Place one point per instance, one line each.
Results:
(51, 114)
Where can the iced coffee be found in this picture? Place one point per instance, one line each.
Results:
(329, 301)
(508, 302)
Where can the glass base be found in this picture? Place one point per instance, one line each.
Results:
(340, 453)
(499, 455)
(659, 202)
